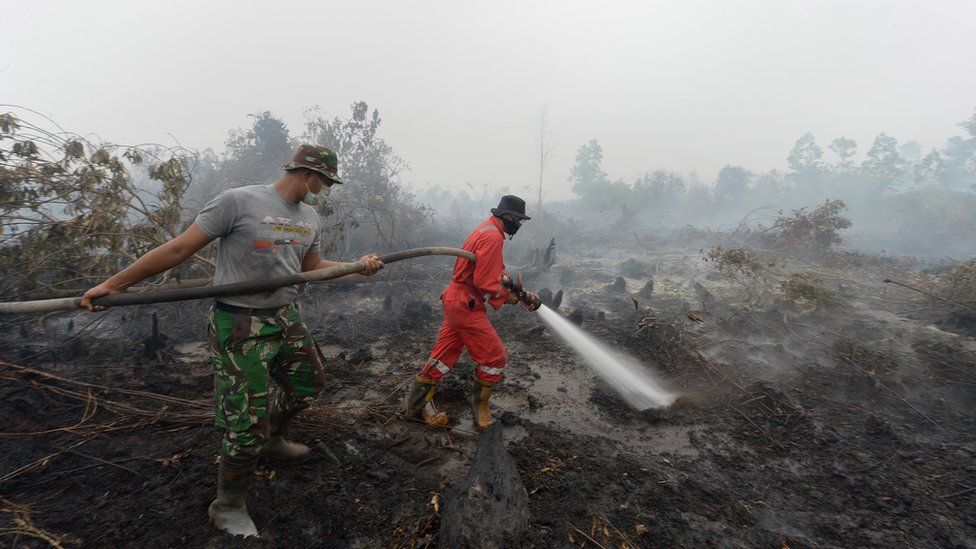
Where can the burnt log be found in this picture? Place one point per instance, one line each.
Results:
(489, 507)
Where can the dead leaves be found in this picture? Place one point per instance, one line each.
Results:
(174, 459)
(604, 533)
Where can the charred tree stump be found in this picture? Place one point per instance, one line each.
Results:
(542, 258)
(490, 507)
(557, 300)
(576, 317)
(549, 259)
(545, 295)
(704, 295)
(648, 289)
(619, 285)
(156, 342)
(550, 300)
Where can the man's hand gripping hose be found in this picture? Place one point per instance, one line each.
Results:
(529, 300)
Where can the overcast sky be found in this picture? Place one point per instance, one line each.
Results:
(676, 85)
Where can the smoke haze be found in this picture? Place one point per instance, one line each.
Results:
(687, 87)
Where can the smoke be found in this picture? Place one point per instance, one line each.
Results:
(627, 376)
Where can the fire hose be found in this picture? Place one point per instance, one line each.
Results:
(223, 290)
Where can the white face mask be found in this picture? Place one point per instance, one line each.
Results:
(311, 198)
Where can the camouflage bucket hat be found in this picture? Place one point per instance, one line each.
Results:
(317, 158)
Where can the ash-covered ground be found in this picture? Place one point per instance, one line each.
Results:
(826, 409)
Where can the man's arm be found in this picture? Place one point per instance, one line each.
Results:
(313, 261)
(159, 259)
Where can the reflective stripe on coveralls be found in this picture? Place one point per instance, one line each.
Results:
(441, 367)
(491, 371)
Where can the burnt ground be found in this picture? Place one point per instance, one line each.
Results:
(842, 425)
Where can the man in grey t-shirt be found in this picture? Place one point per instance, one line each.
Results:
(262, 235)
(264, 231)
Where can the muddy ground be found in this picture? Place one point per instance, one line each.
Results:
(848, 424)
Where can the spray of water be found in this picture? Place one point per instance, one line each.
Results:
(627, 376)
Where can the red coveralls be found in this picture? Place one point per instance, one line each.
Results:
(466, 323)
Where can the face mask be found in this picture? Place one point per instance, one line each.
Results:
(312, 199)
(511, 227)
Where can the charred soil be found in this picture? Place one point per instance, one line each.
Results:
(848, 424)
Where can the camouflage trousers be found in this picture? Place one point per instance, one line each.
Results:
(247, 352)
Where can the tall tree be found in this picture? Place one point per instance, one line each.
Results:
(364, 157)
(970, 125)
(930, 170)
(656, 192)
(374, 197)
(884, 165)
(256, 155)
(732, 183)
(844, 148)
(910, 151)
(959, 157)
(806, 156)
(587, 175)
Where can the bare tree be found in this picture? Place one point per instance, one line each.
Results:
(545, 147)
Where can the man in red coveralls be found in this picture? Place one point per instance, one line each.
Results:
(466, 323)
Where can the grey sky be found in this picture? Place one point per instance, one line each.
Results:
(676, 85)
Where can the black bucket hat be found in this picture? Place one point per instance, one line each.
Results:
(511, 204)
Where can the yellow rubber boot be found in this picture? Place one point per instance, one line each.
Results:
(480, 393)
(431, 414)
(420, 402)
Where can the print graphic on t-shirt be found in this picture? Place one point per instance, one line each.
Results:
(281, 231)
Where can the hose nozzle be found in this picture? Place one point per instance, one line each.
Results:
(531, 301)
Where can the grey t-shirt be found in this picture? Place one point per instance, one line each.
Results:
(262, 235)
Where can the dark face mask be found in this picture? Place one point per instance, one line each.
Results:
(511, 227)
